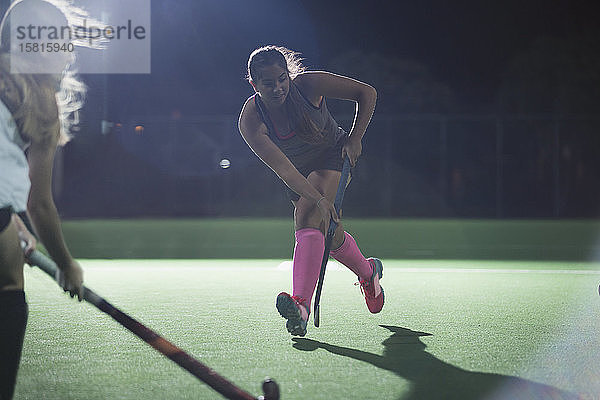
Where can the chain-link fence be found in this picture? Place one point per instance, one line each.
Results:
(485, 166)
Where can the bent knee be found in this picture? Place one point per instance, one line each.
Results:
(306, 215)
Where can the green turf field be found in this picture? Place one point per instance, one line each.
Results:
(453, 330)
(258, 238)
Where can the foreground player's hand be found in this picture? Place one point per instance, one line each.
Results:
(70, 278)
(24, 235)
(30, 242)
(327, 210)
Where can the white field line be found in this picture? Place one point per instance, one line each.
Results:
(335, 266)
(332, 265)
(502, 271)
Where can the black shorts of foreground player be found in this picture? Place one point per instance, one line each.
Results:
(288, 126)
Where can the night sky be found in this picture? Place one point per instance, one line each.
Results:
(465, 50)
(467, 44)
(199, 49)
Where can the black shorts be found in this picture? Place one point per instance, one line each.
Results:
(328, 159)
(5, 215)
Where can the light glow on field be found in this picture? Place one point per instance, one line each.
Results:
(479, 322)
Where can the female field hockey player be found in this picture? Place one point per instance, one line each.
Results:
(288, 126)
(37, 111)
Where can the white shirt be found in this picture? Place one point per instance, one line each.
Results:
(14, 170)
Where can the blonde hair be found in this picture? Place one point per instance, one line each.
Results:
(31, 99)
(40, 103)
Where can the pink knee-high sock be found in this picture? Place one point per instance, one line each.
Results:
(308, 254)
(349, 254)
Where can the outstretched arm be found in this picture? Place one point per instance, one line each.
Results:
(319, 83)
(44, 215)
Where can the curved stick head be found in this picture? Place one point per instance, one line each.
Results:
(270, 389)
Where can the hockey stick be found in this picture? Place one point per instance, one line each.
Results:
(168, 349)
(339, 198)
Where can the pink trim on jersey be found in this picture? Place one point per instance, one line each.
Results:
(289, 135)
(284, 137)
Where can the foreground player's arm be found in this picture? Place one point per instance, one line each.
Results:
(255, 134)
(44, 215)
(317, 84)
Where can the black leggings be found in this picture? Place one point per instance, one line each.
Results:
(13, 320)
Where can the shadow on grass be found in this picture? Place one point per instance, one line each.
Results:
(432, 378)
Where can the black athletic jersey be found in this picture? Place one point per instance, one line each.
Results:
(297, 150)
